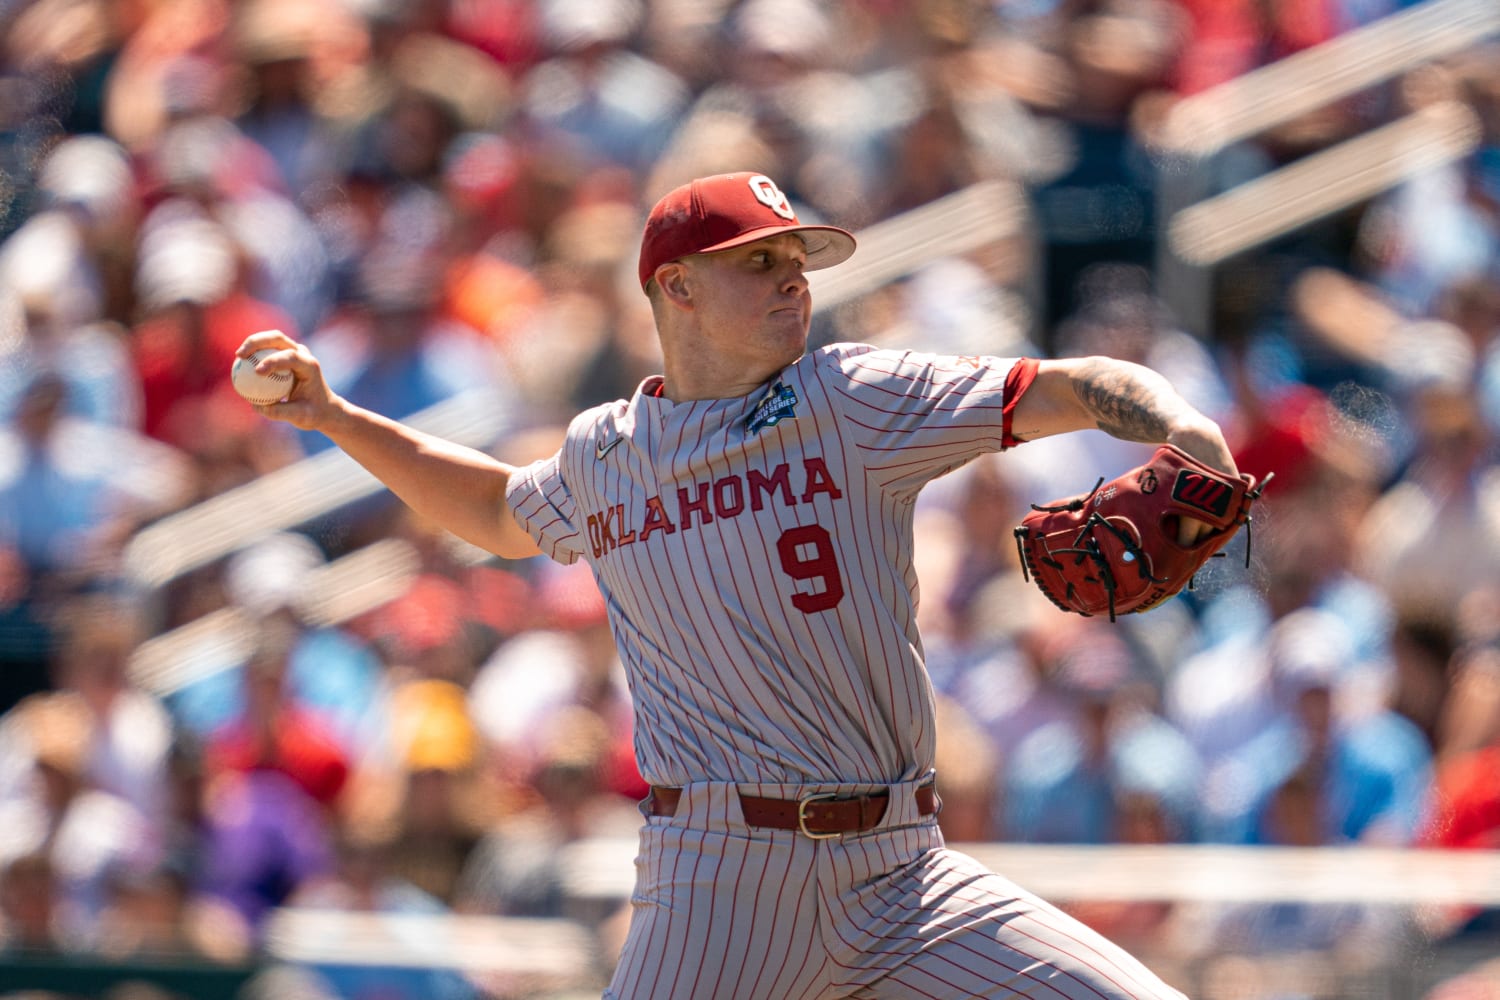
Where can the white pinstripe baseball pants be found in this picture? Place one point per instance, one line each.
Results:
(724, 911)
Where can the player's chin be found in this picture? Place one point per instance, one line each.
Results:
(789, 326)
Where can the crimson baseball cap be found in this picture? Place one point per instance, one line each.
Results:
(730, 210)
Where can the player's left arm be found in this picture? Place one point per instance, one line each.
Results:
(1121, 398)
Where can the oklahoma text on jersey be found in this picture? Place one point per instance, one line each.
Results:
(727, 496)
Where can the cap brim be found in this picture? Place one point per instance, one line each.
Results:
(826, 245)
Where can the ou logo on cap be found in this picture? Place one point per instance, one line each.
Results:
(768, 194)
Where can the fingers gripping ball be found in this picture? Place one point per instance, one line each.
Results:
(257, 388)
(1116, 549)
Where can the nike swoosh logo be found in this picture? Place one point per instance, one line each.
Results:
(602, 448)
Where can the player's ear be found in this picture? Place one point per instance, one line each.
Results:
(672, 278)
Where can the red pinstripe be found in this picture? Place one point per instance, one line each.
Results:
(867, 572)
(921, 925)
(846, 668)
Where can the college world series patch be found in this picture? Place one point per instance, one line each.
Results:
(774, 407)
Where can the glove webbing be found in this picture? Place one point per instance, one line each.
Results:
(1085, 546)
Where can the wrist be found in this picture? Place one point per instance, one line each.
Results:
(1201, 438)
(334, 419)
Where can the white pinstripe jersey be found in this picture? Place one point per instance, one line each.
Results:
(755, 555)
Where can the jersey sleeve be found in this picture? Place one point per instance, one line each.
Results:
(916, 416)
(543, 504)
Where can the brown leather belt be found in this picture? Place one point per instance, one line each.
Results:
(819, 816)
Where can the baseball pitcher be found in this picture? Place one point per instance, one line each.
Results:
(748, 516)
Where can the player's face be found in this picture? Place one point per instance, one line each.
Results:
(754, 300)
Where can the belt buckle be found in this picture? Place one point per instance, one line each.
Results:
(802, 805)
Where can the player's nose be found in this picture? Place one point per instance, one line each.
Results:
(793, 278)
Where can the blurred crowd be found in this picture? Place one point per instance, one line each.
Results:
(444, 198)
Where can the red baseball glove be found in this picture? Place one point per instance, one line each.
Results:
(1115, 548)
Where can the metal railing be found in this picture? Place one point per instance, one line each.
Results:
(1201, 125)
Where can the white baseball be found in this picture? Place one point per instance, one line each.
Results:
(262, 390)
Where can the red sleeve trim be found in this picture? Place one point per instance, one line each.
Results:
(1021, 375)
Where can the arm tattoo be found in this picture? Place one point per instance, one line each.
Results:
(1125, 402)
